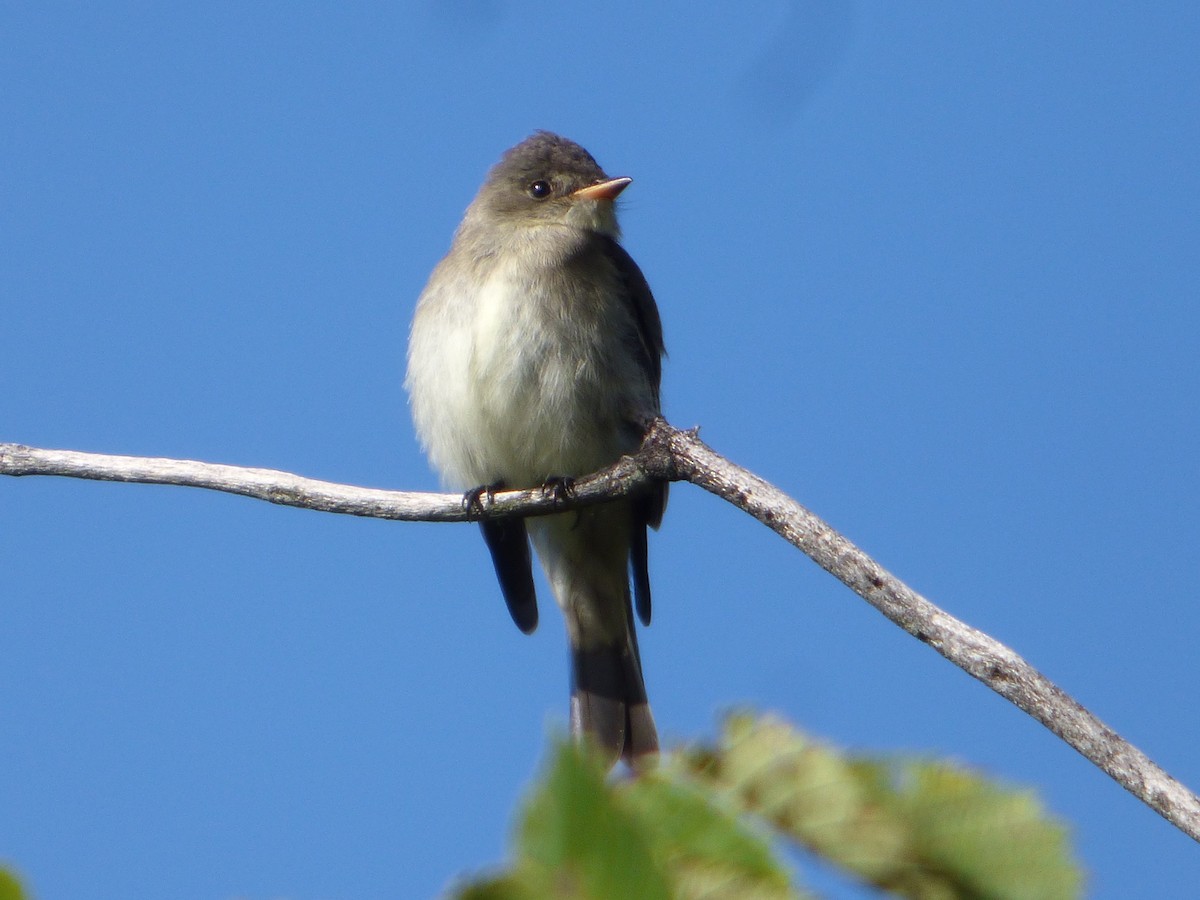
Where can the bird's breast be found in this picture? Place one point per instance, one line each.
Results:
(546, 400)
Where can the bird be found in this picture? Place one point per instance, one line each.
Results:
(535, 357)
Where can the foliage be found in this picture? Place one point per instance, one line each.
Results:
(10, 888)
(703, 822)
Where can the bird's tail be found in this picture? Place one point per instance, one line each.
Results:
(586, 556)
(608, 700)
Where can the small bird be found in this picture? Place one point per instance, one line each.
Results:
(535, 356)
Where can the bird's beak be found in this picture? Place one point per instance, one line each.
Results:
(603, 190)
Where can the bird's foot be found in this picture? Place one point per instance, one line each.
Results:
(478, 501)
(560, 487)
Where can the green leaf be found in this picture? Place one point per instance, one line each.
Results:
(917, 829)
(583, 835)
(983, 834)
(707, 850)
(576, 840)
(10, 888)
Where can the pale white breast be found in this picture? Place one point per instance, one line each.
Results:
(510, 383)
(539, 395)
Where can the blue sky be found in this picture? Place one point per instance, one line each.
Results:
(932, 269)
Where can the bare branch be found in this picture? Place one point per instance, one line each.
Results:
(674, 455)
(287, 489)
(682, 456)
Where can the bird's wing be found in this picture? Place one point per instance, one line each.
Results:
(649, 507)
(508, 543)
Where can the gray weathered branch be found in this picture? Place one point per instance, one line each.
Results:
(674, 455)
(287, 489)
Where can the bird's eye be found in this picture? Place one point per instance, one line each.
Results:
(540, 190)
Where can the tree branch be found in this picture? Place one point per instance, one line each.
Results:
(287, 489)
(674, 455)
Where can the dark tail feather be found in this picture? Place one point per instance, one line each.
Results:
(608, 701)
(647, 512)
(509, 546)
(639, 565)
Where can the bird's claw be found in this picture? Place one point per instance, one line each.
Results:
(478, 501)
(560, 487)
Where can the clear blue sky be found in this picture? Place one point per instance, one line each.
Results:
(934, 269)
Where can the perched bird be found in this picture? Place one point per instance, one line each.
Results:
(536, 356)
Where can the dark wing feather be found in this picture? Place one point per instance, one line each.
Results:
(648, 508)
(509, 546)
(639, 561)
(645, 312)
(650, 350)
